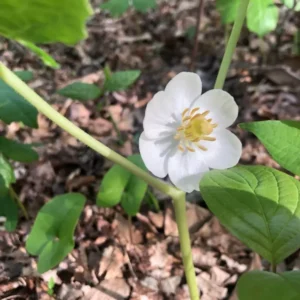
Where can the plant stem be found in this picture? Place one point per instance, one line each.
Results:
(274, 268)
(20, 204)
(185, 244)
(21, 88)
(195, 48)
(232, 42)
(178, 196)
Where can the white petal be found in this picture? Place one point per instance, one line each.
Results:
(222, 107)
(158, 121)
(185, 170)
(225, 152)
(155, 153)
(183, 89)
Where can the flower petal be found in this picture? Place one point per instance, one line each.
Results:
(158, 121)
(155, 153)
(222, 107)
(186, 169)
(225, 152)
(183, 89)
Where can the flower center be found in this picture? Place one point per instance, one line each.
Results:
(193, 129)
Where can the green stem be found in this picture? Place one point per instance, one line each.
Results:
(178, 196)
(185, 244)
(232, 42)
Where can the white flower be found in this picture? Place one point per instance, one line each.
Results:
(185, 132)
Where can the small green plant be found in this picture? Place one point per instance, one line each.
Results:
(51, 285)
(118, 7)
(262, 15)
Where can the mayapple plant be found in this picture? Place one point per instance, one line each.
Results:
(186, 136)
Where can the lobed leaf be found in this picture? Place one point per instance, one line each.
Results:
(51, 237)
(259, 205)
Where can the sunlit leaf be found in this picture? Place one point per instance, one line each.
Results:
(6, 171)
(228, 10)
(40, 21)
(282, 140)
(259, 205)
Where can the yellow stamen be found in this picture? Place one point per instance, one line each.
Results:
(190, 149)
(184, 112)
(194, 110)
(202, 147)
(205, 113)
(208, 138)
(180, 148)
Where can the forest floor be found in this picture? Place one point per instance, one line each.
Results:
(105, 264)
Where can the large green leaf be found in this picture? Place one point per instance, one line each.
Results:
(6, 172)
(40, 21)
(80, 91)
(17, 151)
(112, 186)
(228, 10)
(259, 205)
(261, 285)
(116, 7)
(8, 207)
(51, 237)
(135, 189)
(262, 16)
(121, 80)
(14, 107)
(281, 139)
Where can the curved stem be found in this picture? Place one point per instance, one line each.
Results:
(185, 244)
(41, 105)
(232, 42)
(178, 196)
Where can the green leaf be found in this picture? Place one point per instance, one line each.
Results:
(80, 91)
(281, 139)
(112, 186)
(40, 21)
(8, 206)
(14, 107)
(26, 76)
(51, 237)
(228, 10)
(259, 205)
(261, 285)
(190, 32)
(121, 80)
(46, 58)
(6, 172)
(116, 7)
(262, 16)
(135, 189)
(290, 4)
(144, 5)
(17, 151)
